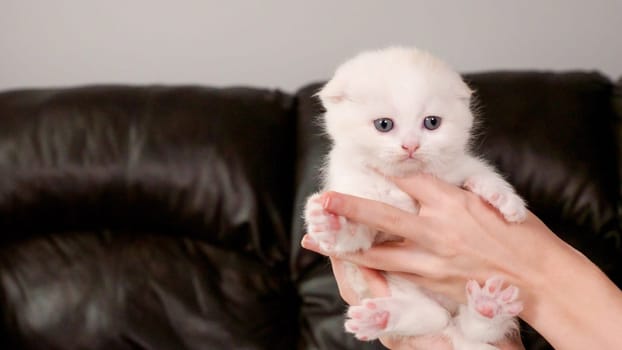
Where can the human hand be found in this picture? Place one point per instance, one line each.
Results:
(455, 237)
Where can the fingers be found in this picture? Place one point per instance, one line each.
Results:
(425, 188)
(377, 215)
(391, 258)
(398, 257)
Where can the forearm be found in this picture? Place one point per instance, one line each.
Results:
(572, 303)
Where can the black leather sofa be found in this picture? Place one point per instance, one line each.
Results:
(166, 217)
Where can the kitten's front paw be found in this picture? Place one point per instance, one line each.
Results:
(322, 226)
(511, 206)
(333, 233)
(493, 302)
(501, 195)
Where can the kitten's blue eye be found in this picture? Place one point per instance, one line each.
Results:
(432, 122)
(383, 124)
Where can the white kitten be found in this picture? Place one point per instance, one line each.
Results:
(397, 112)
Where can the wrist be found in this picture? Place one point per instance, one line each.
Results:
(569, 299)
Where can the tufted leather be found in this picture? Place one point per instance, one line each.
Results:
(168, 217)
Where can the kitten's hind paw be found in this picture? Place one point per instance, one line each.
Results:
(493, 302)
(404, 316)
(367, 321)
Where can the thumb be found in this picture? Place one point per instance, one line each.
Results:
(426, 188)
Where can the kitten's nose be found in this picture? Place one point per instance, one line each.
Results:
(410, 148)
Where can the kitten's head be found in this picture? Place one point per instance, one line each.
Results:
(399, 110)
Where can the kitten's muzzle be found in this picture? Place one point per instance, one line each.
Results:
(410, 148)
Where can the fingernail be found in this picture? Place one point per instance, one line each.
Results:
(325, 200)
(331, 201)
(308, 242)
(305, 241)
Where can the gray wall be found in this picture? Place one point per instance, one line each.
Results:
(286, 44)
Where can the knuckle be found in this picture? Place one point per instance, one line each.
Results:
(442, 270)
(394, 221)
(348, 207)
(456, 199)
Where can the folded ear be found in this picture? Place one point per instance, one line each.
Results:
(464, 92)
(333, 92)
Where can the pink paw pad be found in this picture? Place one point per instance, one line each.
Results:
(492, 301)
(367, 321)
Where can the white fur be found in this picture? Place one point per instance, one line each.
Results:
(406, 85)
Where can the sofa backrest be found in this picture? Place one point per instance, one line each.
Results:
(170, 217)
(146, 217)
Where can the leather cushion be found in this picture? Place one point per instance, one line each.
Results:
(146, 217)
